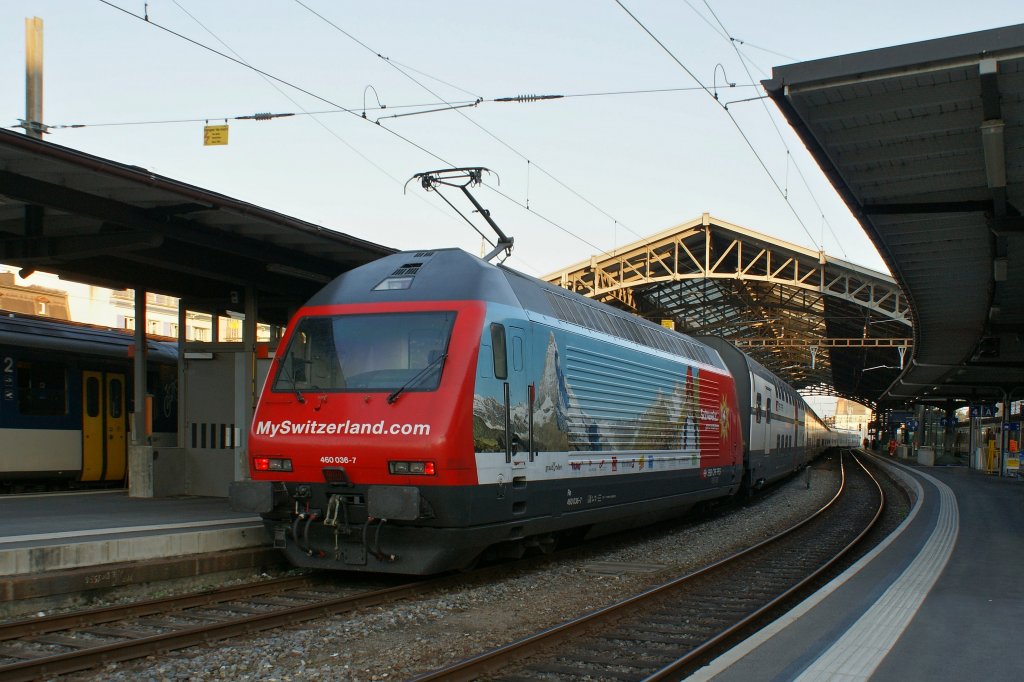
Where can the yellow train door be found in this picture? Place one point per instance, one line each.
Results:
(93, 437)
(104, 440)
(117, 444)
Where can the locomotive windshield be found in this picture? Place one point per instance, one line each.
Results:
(379, 352)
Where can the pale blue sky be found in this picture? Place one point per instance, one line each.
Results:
(645, 161)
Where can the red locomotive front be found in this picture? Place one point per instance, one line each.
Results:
(371, 394)
(365, 407)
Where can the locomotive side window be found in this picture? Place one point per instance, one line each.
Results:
(379, 352)
(499, 351)
(768, 411)
(42, 388)
(757, 409)
(517, 353)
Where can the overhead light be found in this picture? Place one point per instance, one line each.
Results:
(995, 153)
(999, 266)
(297, 272)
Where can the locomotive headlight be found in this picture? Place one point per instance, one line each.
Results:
(272, 464)
(413, 468)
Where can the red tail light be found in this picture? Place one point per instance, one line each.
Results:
(412, 468)
(271, 464)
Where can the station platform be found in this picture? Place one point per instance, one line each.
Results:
(940, 599)
(55, 543)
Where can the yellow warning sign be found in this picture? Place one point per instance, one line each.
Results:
(214, 135)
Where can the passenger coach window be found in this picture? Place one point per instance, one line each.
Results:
(757, 410)
(768, 411)
(42, 389)
(499, 351)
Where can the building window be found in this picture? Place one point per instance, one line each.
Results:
(129, 323)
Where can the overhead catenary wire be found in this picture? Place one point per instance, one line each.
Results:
(512, 149)
(728, 113)
(720, 30)
(265, 117)
(299, 88)
(305, 91)
(733, 42)
(434, 107)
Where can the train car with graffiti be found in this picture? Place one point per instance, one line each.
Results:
(431, 408)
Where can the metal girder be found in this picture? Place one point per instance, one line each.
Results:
(40, 250)
(158, 222)
(775, 299)
(708, 249)
(795, 342)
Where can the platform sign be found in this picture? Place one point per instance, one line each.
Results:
(1013, 427)
(215, 135)
(983, 410)
(669, 324)
(912, 424)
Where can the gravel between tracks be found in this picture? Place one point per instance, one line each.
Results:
(394, 642)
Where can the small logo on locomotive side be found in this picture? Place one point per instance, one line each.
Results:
(723, 419)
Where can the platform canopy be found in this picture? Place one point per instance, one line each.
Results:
(93, 220)
(814, 320)
(925, 143)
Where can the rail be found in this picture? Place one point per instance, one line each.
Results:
(694, 614)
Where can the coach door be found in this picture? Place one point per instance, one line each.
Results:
(104, 440)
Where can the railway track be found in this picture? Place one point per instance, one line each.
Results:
(669, 630)
(64, 643)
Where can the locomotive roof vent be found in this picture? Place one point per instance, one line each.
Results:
(623, 326)
(407, 270)
(401, 278)
(423, 254)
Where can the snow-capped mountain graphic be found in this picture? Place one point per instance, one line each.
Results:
(646, 418)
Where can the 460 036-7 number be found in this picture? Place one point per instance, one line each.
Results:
(338, 460)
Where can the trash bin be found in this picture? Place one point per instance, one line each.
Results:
(926, 456)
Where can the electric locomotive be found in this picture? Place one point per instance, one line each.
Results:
(429, 407)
